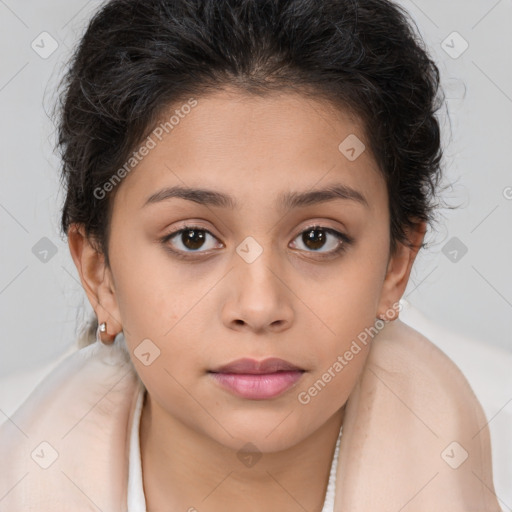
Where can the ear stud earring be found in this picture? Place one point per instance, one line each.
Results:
(101, 328)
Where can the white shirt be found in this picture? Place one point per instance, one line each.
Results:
(136, 499)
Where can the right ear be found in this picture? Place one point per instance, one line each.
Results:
(96, 279)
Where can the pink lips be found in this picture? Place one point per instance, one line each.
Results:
(257, 380)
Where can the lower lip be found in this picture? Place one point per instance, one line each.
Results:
(258, 387)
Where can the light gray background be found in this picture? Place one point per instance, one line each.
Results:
(41, 303)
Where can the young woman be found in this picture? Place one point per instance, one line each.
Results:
(248, 183)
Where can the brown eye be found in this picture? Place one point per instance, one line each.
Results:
(193, 239)
(189, 239)
(315, 238)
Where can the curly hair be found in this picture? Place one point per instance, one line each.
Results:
(136, 59)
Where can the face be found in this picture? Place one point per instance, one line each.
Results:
(199, 280)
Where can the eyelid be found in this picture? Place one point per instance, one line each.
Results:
(187, 227)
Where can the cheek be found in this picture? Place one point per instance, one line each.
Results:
(347, 307)
(348, 302)
(340, 353)
(152, 292)
(164, 302)
(328, 389)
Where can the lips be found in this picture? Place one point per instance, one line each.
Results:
(254, 367)
(257, 380)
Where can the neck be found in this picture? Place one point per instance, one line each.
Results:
(185, 470)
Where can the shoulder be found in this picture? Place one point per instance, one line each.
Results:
(415, 414)
(404, 354)
(75, 423)
(424, 378)
(80, 377)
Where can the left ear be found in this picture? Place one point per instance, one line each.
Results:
(398, 271)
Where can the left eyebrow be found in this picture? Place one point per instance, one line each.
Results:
(291, 200)
(287, 200)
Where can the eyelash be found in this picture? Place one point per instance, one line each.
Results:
(345, 240)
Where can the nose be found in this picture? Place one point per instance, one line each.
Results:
(260, 298)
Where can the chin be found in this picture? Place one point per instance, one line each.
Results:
(267, 432)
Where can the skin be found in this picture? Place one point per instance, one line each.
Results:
(215, 307)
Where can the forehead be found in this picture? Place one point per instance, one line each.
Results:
(254, 147)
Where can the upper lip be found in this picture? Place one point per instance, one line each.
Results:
(252, 366)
